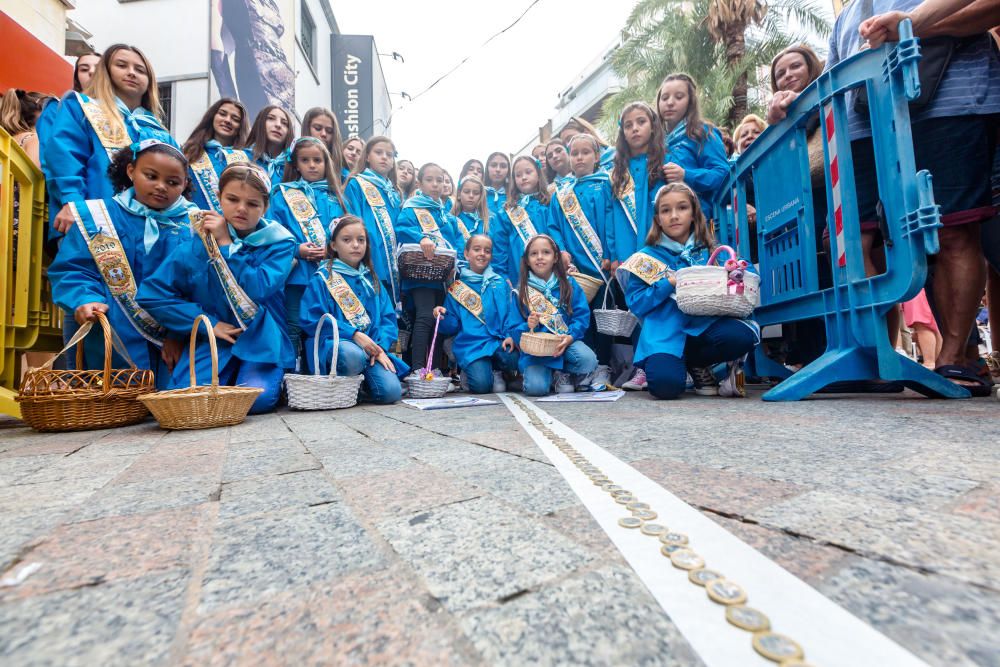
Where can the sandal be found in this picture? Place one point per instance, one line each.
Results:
(978, 386)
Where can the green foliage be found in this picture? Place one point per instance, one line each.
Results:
(665, 36)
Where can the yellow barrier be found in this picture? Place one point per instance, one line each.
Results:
(27, 315)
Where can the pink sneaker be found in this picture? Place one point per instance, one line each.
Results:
(637, 382)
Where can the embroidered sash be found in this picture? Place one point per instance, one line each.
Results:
(548, 312)
(466, 234)
(646, 268)
(347, 300)
(384, 221)
(305, 214)
(110, 131)
(429, 226)
(208, 180)
(582, 228)
(468, 298)
(627, 200)
(522, 223)
(106, 248)
(240, 303)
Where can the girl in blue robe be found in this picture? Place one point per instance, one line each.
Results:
(479, 312)
(472, 215)
(495, 178)
(270, 137)
(672, 343)
(371, 195)
(556, 304)
(252, 257)
(149, 218)
(529, 207)
(439, 231)
(635, 177)
(366, 322)
(695, 154)
(305, 204)
(557, 166)
(212, 146)
(353, 149)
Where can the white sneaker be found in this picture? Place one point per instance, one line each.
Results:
(600, 378)
(499, 385)
(705, 383)
(637, 382)
(563, 383)
(734, 385)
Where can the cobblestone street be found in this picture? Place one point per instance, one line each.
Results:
(392, 536)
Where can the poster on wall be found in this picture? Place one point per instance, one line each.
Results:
(251, 44)
(360, 97)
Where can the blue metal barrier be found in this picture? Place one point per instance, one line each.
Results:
(776, 168)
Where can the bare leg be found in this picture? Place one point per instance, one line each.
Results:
(959, 280)
(875, 265)
(993, 306)
(927, 341)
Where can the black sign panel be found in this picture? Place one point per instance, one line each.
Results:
(353, 57)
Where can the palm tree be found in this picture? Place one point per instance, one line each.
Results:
(725, 45)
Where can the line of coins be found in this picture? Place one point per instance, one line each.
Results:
(675, 546)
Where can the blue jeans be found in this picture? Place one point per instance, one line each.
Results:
(383, 385)
(480, 372)
(725, 340)
(293, 301)
(578, 359)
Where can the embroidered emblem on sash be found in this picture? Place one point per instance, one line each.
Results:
(468, 298)
(110, 131)
(582, 228)
(347, 300)
(240, 302)
(305, 214)
(645, 267)
(548, 312)
(384, 221)
(522, 223)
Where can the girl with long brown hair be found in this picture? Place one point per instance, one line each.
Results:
(215, 143)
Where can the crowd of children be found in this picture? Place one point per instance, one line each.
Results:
(265, 233)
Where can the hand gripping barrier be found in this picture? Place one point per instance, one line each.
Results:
(776, 167)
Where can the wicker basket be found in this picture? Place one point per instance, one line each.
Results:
(323, 392)
(614, 322)
(81, 400)
(413, 265)
(202, 406)
(539, 344)
(705, 290)
(421, 388)
(590, 286)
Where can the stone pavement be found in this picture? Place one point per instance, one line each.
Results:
(392, 536)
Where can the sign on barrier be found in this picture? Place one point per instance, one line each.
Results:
(775, 168)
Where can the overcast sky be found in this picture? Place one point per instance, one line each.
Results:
(500, 97)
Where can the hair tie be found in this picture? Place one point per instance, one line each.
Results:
(538, 163)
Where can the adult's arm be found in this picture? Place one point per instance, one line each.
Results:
(958, 18)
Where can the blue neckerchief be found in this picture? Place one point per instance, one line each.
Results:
(308, 187)
(361, 272)
(419, 200)
(475, 216)
(383, 184)
(677, 133)
(174, 215)
(215, 145)
(133, 116)
(487, 277)
(496, 193)
(266, 233)
(684, 251)
(546, 287)
(524, 200)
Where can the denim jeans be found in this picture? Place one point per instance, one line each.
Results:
(725, 340)
(480, 372)
(383, 385)
(293, 303)
(578, 359)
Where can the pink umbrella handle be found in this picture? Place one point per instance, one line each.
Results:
(715, 254)
(430, 353)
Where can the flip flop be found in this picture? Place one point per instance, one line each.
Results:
(980, 386)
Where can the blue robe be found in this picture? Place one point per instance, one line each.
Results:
(607, 160)
(706, 166)
(380, 307)
(598, 204)
(327, 207)
(626, 240)
(578, 324)
(475, 339)
(76, 280)
(357, 205)
(43, 127)
(76, 164)
(185, 286)
(495, 199)
(473, 225)
(664, 327)
(218, 157)
(408, 231)
(274, 166)
(508, 246)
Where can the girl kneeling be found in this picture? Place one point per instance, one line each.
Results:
(671, 343)
(347, 287)
(479, 311)
(233, 270)
(554, 301)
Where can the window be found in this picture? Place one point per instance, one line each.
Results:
(307, 35)
(166, 91)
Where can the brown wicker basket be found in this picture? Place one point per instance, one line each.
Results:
(590, 286)
(202, 406)
(539, 344)
(413, 265)
(81, 400)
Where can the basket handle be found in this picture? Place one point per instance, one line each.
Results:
(201, 319)
(430, 352)
(718, 249)
(336, 344)
(111, 342)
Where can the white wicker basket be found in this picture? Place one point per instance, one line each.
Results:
(323, 392)
(421, 388)
(614, 322)
(704, 290)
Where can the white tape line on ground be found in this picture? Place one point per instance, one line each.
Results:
(829, 635)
